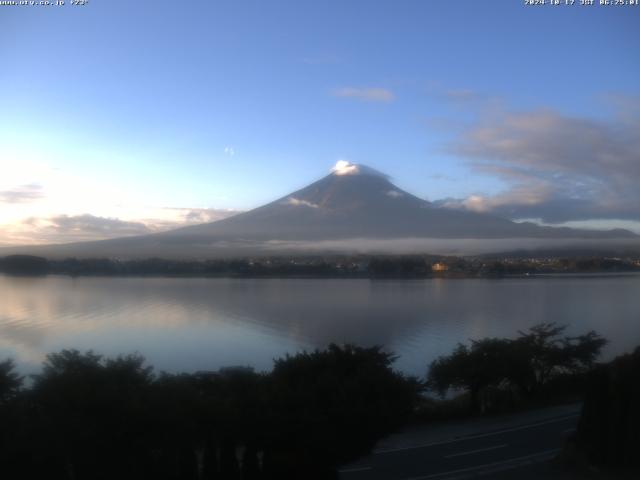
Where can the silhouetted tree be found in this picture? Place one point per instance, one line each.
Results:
(91, 412)
(90, 417)
(10, 418)
(487, 362)
(332, 406)
(10, 381)
(549, 354)
(526, 363)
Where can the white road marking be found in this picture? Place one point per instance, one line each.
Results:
(470, 452)
(525, 458)
(481, 435)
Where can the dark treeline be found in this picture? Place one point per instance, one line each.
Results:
(89, 417)
(357, 266)
(608, 433)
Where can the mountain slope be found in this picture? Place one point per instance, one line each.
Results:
(352, 207)
(364, 203)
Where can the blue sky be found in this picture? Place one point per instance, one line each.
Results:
(144, 111)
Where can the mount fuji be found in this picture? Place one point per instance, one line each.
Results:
(353, 209)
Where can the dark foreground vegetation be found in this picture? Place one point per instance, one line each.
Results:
(89, 417)
(330, 266)
(498, 374)
(608, 434)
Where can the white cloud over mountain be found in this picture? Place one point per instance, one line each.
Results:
(297, 202)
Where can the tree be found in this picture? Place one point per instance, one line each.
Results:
(10, 418)
(549, 354)
(485, 363)
(333, 405)
(10, 381)
(526, 363)
(91, 411)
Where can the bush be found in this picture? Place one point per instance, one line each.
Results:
(90, 417)
(498, 371)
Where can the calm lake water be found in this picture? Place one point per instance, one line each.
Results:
(193, 324)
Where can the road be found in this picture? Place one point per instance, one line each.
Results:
(471, 455)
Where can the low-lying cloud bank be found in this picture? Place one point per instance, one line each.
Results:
(235, 248)
(449, 246)
(86, 227)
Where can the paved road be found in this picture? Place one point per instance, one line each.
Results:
(481, 453)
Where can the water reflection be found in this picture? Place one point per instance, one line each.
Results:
(190, 324)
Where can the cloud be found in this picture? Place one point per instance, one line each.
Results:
(205, 215)
(21, 194)
(393, 193)
(371, 94)
(229, 151)
(86, 227)
(556, 167)
(297, 202)
(624, 106)
(344, 167)
(445, 246)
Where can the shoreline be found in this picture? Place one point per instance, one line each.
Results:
(453, 276)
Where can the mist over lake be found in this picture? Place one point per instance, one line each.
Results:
(190, 324)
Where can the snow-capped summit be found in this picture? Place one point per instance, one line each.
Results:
(344, 167)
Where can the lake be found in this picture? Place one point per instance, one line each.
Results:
(189, 324)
